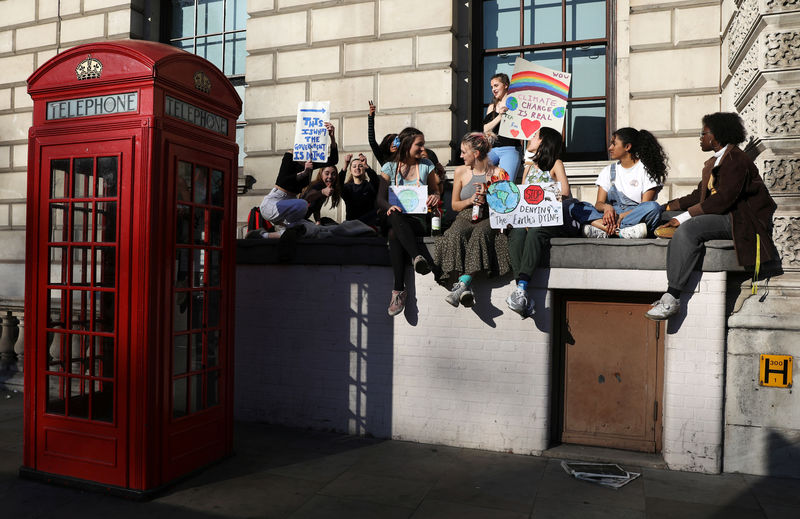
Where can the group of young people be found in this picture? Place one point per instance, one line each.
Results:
(731, 202)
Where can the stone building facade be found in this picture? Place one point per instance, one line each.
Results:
(672, 61)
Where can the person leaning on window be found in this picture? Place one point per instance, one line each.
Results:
(730, 202)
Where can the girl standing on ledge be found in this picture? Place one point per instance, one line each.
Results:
(407, 167)
(505, 151)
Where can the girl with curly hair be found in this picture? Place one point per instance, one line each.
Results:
(626, 189)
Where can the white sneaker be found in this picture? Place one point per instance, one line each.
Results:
(518, 302)
(664, 308)
(590, 231)
(634, 232)
(460, 293)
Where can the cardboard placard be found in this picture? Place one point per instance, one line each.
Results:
(537, 97)
(411, 198)
(526, 205)
(311, 140)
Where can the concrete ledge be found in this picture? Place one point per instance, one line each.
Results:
(648, 254)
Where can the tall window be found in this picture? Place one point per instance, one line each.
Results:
(568, 35)
(215, 30)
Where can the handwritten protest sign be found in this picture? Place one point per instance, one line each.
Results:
(526, 205)
(537, 97)
(411, 198)
(311, 140)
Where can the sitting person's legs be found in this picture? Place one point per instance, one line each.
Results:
(683, 254)
(687, 245)
(647, 212)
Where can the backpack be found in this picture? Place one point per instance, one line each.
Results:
(256, 221)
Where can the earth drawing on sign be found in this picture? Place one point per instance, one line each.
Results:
(502, 197)
(408, 199)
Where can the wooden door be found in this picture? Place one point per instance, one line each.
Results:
(613, 375)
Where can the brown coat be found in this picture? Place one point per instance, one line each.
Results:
(742, 194)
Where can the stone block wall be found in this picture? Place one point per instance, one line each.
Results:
(761, 56)
(32, 32)
(760, 62)
(668, 78)
(348, 53)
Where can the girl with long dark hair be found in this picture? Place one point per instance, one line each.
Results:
(527, 246)
(325, 187)
(626, 189)
(407, 167)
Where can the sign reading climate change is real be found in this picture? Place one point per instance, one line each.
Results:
(537, 97)
(526, 205)
(311, 140)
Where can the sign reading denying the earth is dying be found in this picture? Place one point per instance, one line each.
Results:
(526, 205)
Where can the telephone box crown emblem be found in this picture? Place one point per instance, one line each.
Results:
(201, 82)
(90, 68)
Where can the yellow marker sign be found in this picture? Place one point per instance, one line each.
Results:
(775, 371)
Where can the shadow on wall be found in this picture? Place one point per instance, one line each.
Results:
(784, 455)
(298, 363)
(777, 494)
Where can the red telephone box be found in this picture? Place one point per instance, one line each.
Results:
(129, 266)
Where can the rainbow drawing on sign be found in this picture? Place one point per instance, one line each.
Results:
(538, 82)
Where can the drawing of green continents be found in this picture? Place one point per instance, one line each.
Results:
(503, 197)
(408, 199)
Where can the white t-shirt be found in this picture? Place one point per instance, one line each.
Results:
(632, 182)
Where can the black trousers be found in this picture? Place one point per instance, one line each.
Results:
(404, 229)
(688, 243)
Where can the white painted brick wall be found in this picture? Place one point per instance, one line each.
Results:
(314, 347)
(694, 379)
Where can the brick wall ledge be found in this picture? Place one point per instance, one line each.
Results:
(648, 254)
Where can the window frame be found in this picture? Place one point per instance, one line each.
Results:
(236, 80)
(478, 107)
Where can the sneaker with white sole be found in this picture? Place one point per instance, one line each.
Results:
(398, 302)
(664, 308)
(460, 293)
(634, 232)
(590, 231)
(518, 302)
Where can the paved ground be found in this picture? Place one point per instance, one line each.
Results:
(286, 473)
